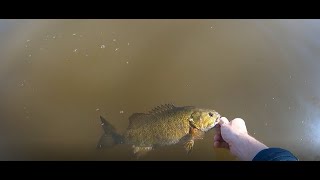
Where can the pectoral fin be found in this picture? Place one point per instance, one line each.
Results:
(189, 146)
(196, 133)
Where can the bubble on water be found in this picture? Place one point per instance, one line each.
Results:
(54, 37)
(102, 124)
(97, 109)
(87, 55)
(28, 40)
(128, 44)
(26, 45)
(30, 55)
(100, 146)
(74, 34)
(116, 49)
(114, 40)
(273, 98)
(103, 46)
(75, 50)
(289, 107)
(301, 139)
(127, 62)
(211, 27)
(302, 122)
(22, 84)
(254, 133)
(121, 112)
(266, 124)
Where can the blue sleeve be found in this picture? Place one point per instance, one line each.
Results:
(275, 154)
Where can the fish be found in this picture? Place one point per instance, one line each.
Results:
(164, 125)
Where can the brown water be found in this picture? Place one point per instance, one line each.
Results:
(58, 76)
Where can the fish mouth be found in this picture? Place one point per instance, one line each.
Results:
(213, 125)
(217, 121)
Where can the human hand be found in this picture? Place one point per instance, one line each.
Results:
(234, 136)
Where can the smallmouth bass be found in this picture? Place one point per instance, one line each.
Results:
(164, 125)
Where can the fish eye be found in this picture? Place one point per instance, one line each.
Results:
(210, 114)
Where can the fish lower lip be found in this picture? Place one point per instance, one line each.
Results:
(217, 121)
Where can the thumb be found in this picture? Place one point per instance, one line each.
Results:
(223, 120)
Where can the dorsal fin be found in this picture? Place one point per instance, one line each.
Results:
(161, 108)
(137, 119)
(136, 115)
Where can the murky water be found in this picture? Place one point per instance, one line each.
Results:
(58, 76)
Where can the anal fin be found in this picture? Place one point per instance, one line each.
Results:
(140, 151)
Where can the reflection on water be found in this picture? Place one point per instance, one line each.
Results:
(58, 76)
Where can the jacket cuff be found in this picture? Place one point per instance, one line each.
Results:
(274, 154)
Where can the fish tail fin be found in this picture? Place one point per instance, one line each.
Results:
(110, 137)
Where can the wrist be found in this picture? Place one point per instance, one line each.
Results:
(247, 147)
